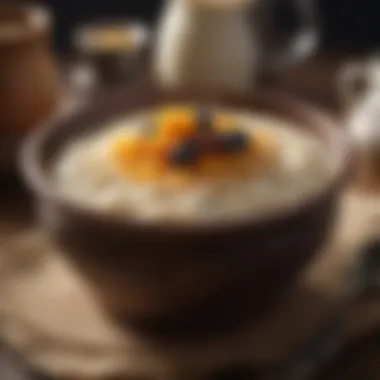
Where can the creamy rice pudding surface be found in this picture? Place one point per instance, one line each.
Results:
(86, 173)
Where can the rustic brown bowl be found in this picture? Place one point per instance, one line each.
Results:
(171, 278)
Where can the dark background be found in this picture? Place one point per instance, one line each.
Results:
(346, 24)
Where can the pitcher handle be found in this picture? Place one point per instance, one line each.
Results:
(300, 44)
(352, 83)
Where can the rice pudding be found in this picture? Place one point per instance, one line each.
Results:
(190, 164)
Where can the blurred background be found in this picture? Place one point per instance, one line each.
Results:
(349, 25)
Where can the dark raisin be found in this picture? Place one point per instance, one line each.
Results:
(185, 154)
(233, 142)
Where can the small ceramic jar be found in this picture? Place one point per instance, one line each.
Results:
(29, 81)
(112, 51)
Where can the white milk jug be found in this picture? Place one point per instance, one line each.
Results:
(204, 43)
(219, 43)
(360, 89)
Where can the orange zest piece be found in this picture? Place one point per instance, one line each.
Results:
(139, 157)
(128, 150)
(177, 124)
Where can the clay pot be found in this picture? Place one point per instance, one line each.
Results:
(29, 85)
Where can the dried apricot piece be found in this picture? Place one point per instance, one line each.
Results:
(177, 124)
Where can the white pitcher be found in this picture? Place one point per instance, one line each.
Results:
(219, 43)
(360, 90)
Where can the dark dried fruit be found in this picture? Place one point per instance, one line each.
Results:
(185, 153)
(233, 142)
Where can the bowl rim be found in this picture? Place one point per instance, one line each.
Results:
(31, 165)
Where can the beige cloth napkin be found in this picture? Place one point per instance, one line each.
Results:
(49, 315)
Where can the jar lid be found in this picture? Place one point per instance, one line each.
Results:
(111, 37)
(18, 22)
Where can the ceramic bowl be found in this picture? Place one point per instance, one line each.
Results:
(177, 278)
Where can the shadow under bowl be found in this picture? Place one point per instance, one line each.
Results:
(178, 279)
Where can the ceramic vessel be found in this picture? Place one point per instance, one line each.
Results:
(29, 83)
(204, 45)
(360, 92)
(227, 44)
(115, 51)
(177, 278)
